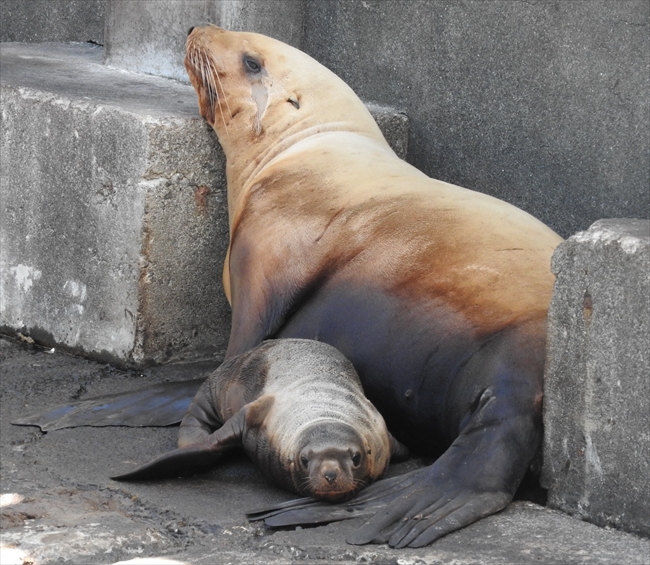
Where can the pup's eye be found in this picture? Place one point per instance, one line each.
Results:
(252, 66)
(356, 459)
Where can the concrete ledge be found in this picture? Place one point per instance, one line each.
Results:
(597, 395)
(113, 221)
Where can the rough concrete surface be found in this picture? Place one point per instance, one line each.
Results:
(149, 36)
(597, 386)
(52, 20)
(542, 104)
(113, 224)
(59, 506)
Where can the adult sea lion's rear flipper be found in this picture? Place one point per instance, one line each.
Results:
(195, 458)
(163, 404)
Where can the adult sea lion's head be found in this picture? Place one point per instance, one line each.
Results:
(257, 92)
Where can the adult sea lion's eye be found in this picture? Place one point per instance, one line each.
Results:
(356, 459)
(252, 66)
(304, 460)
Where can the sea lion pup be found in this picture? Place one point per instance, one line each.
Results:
(297, 408)
(437, 294)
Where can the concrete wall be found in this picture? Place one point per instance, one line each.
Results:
(149, 35)
(543, 104)
(52, 20)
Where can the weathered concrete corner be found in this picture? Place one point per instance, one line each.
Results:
(113, 226)
(394, 125)
(597, 397)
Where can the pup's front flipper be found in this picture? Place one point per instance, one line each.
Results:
(163, 404)
(195, 458)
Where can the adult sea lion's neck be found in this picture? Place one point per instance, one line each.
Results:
(246, 162)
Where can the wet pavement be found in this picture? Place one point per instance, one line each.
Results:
(60, 506)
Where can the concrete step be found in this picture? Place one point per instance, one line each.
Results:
(113, 224)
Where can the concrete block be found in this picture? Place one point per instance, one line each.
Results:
(113, 217)
(48, 20)
(114, 223)
(149, 35)
(597, 389)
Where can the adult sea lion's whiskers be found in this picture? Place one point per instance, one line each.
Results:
(225, 98)
(212, 72)
(209, 68)
(205, 69)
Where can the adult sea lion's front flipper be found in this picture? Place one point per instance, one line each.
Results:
(469, 481)
(163, 404)
(195, 458)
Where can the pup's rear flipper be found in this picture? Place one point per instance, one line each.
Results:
(157, 405)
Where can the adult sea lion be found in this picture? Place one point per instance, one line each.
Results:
(437, 294)
(297, 408)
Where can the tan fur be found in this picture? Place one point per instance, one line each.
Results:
(340, 195)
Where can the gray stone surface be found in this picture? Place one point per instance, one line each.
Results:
(597, 391)
(113, 220)
(52, 20)
(149, 35)
(542, 104)
(72, 513)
